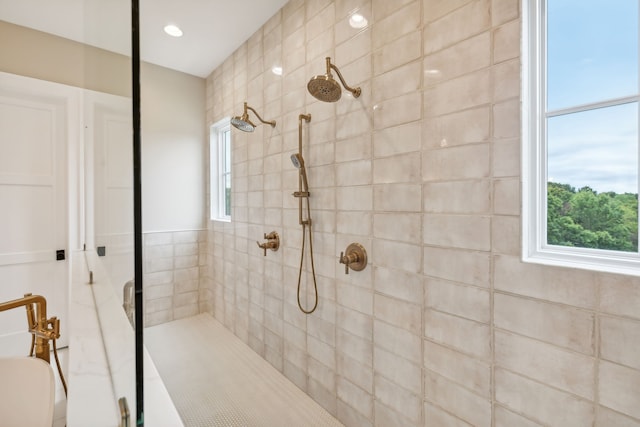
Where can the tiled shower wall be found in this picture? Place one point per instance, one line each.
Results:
(446, 326)
(173, 261)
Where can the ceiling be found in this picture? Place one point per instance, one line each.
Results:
(213, 29)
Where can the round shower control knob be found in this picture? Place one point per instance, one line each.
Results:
(355, 258)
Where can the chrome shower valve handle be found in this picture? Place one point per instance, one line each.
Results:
(355, 258)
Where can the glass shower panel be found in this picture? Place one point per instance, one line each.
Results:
(108, 164)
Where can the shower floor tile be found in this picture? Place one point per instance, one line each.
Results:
(216, 380)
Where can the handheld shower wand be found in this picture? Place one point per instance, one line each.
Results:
(303, 193)
(298, 162)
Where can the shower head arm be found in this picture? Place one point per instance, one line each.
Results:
(271, 122)
(355, 91)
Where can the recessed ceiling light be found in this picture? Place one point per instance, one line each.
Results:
(173, 30)
(277, 70)
(358, 21)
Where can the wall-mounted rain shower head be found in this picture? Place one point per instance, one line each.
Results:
(326, 88)
(244, 124)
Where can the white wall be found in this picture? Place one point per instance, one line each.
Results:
(173, 150)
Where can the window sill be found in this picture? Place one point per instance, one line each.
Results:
(593, 260)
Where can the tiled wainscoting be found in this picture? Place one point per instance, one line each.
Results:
(174, 262)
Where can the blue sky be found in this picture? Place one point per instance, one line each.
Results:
(593, 56)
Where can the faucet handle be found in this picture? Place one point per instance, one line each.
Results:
(262, 246)
(355, 258)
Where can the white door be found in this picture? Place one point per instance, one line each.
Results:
(109, 182)
(38, 123)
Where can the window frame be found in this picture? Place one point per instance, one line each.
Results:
(534, 165)
(219, 174)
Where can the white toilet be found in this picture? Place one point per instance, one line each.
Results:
(26, 392)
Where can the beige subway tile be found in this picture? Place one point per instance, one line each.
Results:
(355, 372)
(566, 286)
(398, 313)
(158, 291)
(186, 286)
(398, 340)
(353, 173)
(358, 349)
(506, 119)
(619, 294)
(403, 227)
(322, 374)
(359, 198)
(459, 231)
(506, 42)
(401, 80)
(396, 111)
(355, 397)
(397, 197)
(464, 301)
(506, 77)
(158, 251)
(435, 9)
(155, 305)
(355, 298)
(547, 405)
(455, 163)
(185, 249)
(460, 24)
(382, 9)
(152, 239)
(608, 418)
(351, 50)
(468, 196)
(158, 278)
(401, 256)
(506, 196)
(387, 416)
(461, 266)
(399, 399)
(620, 341)
(293, 16)
(398, 370)
(434, 416)
(442, 65)
(396, 53)
(404, 19)
(619, 388)
(157, 265)
(460, 368)
(555, 324)
(355, 148)
(467, 91)
(505, 235)
(506, 158)
(464, 335)
(452, 397)
(350, 417)
(504, 10)
(353, 124)
(506, 418)
(400, 168)
(184, 299)
(398, 284)
(319, 47)
(344, 11)
(356, 223)
(395, 140)
(569, 371)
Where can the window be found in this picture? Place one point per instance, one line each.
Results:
(220, 165)
(580, 134)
